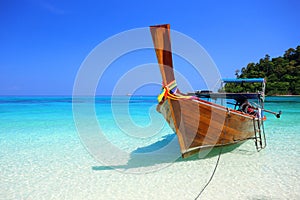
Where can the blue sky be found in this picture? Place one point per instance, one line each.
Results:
(43, 42)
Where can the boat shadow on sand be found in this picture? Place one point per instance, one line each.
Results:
(166, 151)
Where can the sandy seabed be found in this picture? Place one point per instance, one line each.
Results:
(242, 173)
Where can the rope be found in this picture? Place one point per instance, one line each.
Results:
(217, 163)
(167, 92)
(212, 175)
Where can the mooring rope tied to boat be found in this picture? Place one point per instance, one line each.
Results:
(183, 120)
(218, 160)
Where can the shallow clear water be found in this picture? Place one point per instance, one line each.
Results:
(43, 156)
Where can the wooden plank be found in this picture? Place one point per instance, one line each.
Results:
(162, 44)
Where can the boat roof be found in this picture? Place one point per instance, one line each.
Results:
(243, 80)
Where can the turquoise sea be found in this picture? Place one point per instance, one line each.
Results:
(44, 154)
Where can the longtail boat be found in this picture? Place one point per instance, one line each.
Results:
(199, 123)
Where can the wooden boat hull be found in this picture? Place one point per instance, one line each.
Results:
(198, 124)
(201, 124)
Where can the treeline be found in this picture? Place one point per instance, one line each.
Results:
(282, 74)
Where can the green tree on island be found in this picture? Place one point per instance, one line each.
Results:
(282, 74)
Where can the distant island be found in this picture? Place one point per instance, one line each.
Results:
(282, 74)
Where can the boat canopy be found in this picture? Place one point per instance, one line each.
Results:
(243, 80)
